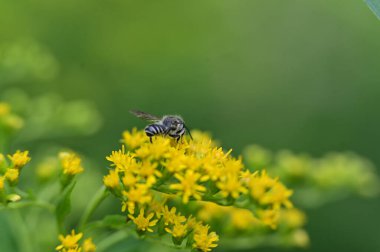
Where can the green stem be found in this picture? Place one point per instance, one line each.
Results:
(96, 200)
(111, 240)
(21, 232)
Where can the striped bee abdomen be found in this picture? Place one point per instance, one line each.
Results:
(155, 129)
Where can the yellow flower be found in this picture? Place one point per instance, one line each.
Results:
(243, 219)
(136, 195)
(121, 160)
(158, 150)
(129, 180)
(203, 240)
(12, 175)
(143, 223)
(111, 180)
(71, 163)
(277, 196)
(176, 162)
(188, 185)
(231, 186)
(293, 218)
(170, 216)
(269, 217)
(69, 241)
(19, 159)
(267, 190)
(5, 109)
(88, 245)
(178, 230)
(148, 171)
(134, 139)
(2, 178)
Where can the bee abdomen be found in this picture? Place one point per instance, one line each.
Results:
(155, 129)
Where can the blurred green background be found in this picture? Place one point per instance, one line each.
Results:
(293, 74)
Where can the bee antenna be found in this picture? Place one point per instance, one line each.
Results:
(188, 131)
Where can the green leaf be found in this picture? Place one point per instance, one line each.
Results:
(115, 221)
(374, 5)
(64, 205)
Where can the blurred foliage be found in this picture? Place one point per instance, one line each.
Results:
(317, 181)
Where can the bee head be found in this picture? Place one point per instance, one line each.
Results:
(174, 122)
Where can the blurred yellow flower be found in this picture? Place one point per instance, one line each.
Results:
(111, 180)
(292, 217)
(143, 223)
(268, 191)
(19, 159)
(12, 175)
(88, 246)
(71, 163)
(69, 241)
(269, 217)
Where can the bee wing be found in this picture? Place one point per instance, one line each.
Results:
(145, 116)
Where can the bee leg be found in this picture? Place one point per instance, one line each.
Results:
(150, 139)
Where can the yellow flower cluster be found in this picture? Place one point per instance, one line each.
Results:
(69, 243)
(194, 170)
(165, 219)
(10, 171)
(71, 163)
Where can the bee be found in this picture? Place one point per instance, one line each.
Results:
(167, 125)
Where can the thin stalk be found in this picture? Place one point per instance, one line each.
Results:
(21, 232)
(96, 200)
(111, 240)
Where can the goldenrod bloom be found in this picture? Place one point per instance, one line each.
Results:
(269, 217)
(121, 160)
(69, 241)
(203, 240)
(19, 159)
(188, 186)
(156, 151)
(143, 223)
(243, 219)
(231, 186)
(111, 180)
(293, 218)
(136, 195)
(129, 180)
(88, 245)
(71, 163)
(135, 138)
(170, 216)
(178, 230)
(12, 175)
(269, 191)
